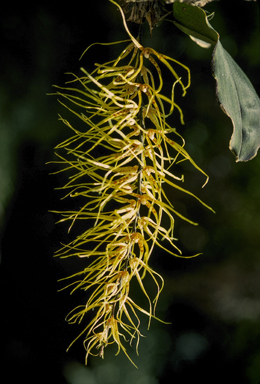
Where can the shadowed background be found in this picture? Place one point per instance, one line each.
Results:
(212, 301)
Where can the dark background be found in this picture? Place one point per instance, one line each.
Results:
(212, 301)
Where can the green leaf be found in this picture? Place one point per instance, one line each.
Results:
(235, 92)
(193, 21)
(240, 102)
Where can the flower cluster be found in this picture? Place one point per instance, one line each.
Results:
(118, 165)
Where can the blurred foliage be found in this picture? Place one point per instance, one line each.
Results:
(212, 301)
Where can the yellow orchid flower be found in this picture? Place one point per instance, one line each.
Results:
(118, 163)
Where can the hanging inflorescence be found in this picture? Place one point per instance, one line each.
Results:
(119, 164)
